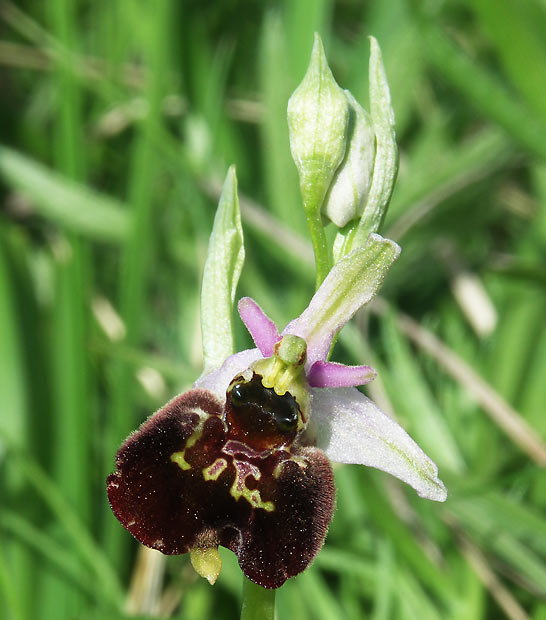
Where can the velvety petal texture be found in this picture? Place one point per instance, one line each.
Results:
(182, 484)
(350, 428)
(149, 491)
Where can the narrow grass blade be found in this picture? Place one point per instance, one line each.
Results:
(67, 203)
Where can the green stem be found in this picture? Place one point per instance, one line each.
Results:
(320, 246)
(258, 603)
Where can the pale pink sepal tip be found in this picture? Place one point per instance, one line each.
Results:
(330, 374)
(262, 329)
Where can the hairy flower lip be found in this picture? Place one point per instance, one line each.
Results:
(176, 490)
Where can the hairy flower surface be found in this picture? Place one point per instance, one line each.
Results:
(242, 460)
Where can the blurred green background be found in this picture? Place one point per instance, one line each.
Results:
(118, 122)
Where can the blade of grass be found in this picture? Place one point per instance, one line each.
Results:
(515, 339)
(509, 420)
(521, 564)
(479, 563)
(279, 171)
(384, 595)
(302, 20)
(412, 398)
(13, 426)
(318, 596)
(485, 92)
(421, 190)
(525, 522)
(384, 519)
(518, 38)
(12, 380)
(68, 203)
(413, 601)
(80, 538)
(71, 416)
(12, 605)
(43, 545)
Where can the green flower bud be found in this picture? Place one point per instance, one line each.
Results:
(318, 112)
(349, 189)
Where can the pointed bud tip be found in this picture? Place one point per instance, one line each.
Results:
(318, 113)
(374, 45)
(317, 53)
(380, 97)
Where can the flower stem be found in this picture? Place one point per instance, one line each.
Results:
(258, 603)
(320, 246)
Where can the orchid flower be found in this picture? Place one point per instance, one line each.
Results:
(242, 459)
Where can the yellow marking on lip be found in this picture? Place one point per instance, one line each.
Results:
(179, 457)
(213, 472)
(239, 488)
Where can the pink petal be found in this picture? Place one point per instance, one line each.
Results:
(330, 374)
(262, 329)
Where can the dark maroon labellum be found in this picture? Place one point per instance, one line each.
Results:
(198, 474)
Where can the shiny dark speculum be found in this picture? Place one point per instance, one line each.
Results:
(260, 417)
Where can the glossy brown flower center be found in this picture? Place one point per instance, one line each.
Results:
(259, 417)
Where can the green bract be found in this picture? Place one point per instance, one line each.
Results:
(223, 266)
(385, 164)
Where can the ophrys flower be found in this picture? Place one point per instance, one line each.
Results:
(242, 460)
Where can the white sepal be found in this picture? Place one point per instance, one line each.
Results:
(350, 428)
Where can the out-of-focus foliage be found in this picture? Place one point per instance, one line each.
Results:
(118, 119)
